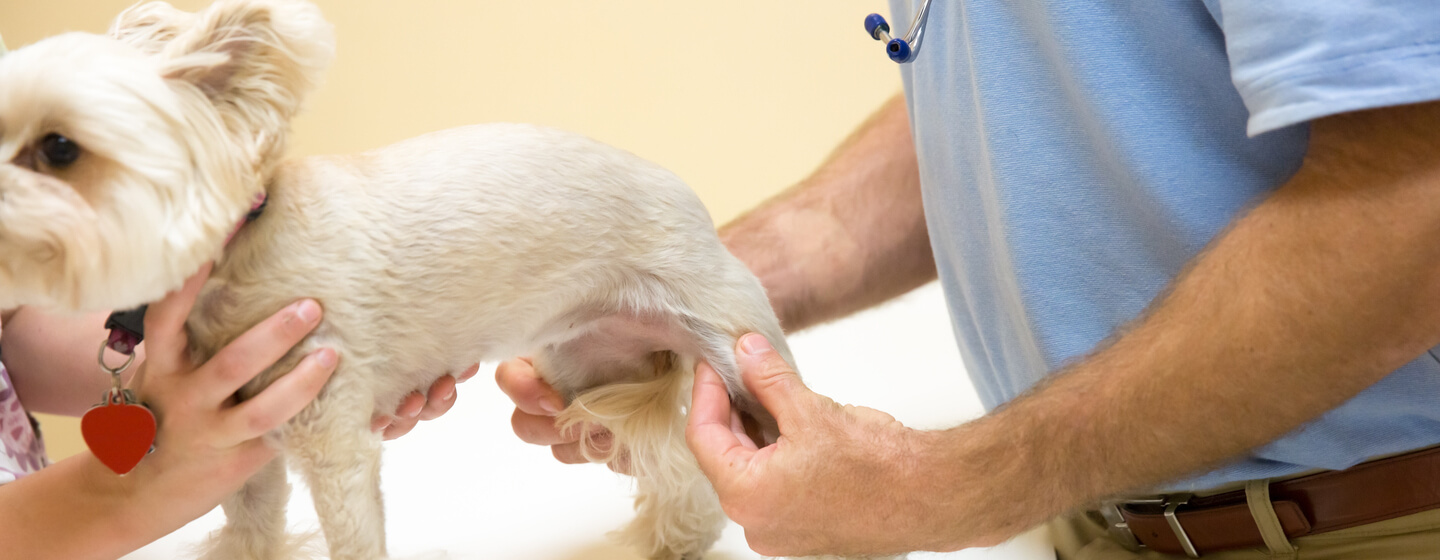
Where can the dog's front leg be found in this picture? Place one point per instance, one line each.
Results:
(331, 444)
(255, 520)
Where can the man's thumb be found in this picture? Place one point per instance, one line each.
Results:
(769, 377)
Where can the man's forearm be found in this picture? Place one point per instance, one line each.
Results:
(848, 237)
(1319, 292)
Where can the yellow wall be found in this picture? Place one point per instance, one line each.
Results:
(740, 98)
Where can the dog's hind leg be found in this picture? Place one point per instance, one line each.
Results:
(255, 520)
(331, 443)
(677, 515)
(633, 376)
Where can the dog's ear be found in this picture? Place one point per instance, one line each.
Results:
(150, 26)
(255, 60)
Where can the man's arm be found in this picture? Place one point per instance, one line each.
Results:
(1317, 293)
(848, 237)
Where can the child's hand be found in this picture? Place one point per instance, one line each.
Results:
(207, 442)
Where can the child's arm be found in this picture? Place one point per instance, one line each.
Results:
(51, 359)
(206, 446)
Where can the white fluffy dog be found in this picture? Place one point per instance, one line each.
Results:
(129, 159)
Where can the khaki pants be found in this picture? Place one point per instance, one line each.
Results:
(1412, 537)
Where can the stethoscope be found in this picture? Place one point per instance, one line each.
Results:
(900, 50)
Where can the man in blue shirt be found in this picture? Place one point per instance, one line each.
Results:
(1188, 246)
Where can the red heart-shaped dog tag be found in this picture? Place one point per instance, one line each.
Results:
(119, 434)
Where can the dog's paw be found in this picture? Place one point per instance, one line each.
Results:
(429, 555)
(672, 555)
(224, 545)
(827, 557)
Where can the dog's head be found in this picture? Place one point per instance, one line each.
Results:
(125, 160)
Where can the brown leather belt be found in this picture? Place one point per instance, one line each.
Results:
(1329, 501)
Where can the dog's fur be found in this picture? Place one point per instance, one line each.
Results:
(430, 255)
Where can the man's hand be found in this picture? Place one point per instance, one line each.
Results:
(418, 406)
(536, 404)
(840, 480)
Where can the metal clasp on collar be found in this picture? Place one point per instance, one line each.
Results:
(1120, 530)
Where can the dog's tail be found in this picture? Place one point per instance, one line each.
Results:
(674, 504)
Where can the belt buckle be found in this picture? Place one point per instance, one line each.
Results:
(1116, 525)
(1120, 530)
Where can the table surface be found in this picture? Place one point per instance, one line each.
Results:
(464, 487)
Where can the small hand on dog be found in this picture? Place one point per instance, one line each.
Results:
(414, 408)
(208, 443)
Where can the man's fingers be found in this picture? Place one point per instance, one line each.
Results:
(440, 398)
(407, 414)
(620, 464)
(165, 319)
(415, 407)
(284, 398)
(601, 444)
(399, 427)
(569, 453)
(532, 395)
(737, 427)
(410, 406)
(773, 382)
(708, 430)
(261, 346)
(467, 374)
(539, 430)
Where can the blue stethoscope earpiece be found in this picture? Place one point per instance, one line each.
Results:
(874, 22)
(899, 50)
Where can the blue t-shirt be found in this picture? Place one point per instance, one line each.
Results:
(1075, 155)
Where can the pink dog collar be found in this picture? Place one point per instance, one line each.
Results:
(127, 328)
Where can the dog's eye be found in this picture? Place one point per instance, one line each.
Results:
(58, 150)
